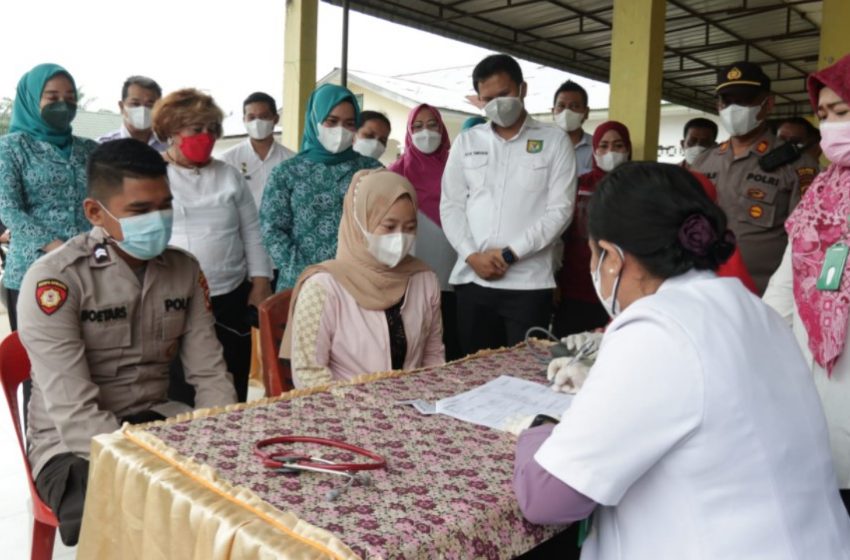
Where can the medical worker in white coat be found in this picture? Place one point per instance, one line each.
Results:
(698, 433)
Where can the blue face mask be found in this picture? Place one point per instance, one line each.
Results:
(145, 235)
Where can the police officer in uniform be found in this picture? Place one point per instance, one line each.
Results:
(101, 319)
(757, 202)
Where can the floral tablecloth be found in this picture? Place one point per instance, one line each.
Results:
(446, 492)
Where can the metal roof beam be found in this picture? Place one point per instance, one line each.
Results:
(589, 14)
(495, 9)
(733, 13)
(566, 19)
(725, 45)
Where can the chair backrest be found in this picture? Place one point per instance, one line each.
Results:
(277, 375)
(14, 370)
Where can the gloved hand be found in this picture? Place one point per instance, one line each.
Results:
(575, 341)
(518, 424)
(567, 375)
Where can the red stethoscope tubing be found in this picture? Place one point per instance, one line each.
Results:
(304, 461)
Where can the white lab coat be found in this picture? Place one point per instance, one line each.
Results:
(835, 390)
(700, 434)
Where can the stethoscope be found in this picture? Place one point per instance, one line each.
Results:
(296, 462)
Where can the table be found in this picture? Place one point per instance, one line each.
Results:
(190, 487)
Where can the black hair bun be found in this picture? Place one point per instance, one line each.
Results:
(723, 248)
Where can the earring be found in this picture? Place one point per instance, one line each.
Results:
(610, 271)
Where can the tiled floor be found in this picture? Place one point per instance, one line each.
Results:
(15, 504)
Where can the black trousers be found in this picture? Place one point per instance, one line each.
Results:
(12, 308)
(62, 484)
(448, 310)
(577, 316)
(233, 330)
(491, 318)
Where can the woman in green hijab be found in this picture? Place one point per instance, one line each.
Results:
(302, 201)
(42, 172)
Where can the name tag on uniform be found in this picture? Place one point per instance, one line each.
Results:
(833, 267)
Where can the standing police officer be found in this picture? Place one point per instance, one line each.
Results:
(103, 316)
(756, 201)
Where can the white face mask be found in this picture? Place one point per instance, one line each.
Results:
(569, 120)
(504, 111)
(610, 303)
(390, 248)
(427, 141)
(259, 129)
(693, 152)
(139, 117)
(336, 139)
(608, 161)
(369, 147)
(738, 120)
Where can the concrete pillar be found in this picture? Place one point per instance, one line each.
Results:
(834, 37)
(637, 61)
(299, 67)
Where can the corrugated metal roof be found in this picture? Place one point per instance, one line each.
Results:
(575, 36)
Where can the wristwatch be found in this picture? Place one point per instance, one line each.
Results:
(508, 255)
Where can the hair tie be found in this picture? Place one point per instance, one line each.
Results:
(697, 235)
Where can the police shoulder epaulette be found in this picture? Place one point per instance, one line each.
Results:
(66, 255)
(806, 175)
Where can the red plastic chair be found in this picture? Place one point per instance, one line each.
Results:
(277, 375)
(14, 370)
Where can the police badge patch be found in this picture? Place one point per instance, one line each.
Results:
(50, 295)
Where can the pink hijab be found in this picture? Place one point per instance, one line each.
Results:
(425, 171)
(819, 221)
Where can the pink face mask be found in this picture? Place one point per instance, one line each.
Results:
(835, 142)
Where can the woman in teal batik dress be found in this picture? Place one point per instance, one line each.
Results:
(302, 201)
(42, 173)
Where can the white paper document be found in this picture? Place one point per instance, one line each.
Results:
(499, 402)
(421, 406)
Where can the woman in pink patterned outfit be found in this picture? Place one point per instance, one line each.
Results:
(819, 312)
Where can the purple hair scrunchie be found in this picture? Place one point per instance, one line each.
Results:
(697, 235)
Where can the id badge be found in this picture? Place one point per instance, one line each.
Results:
(829, 279)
